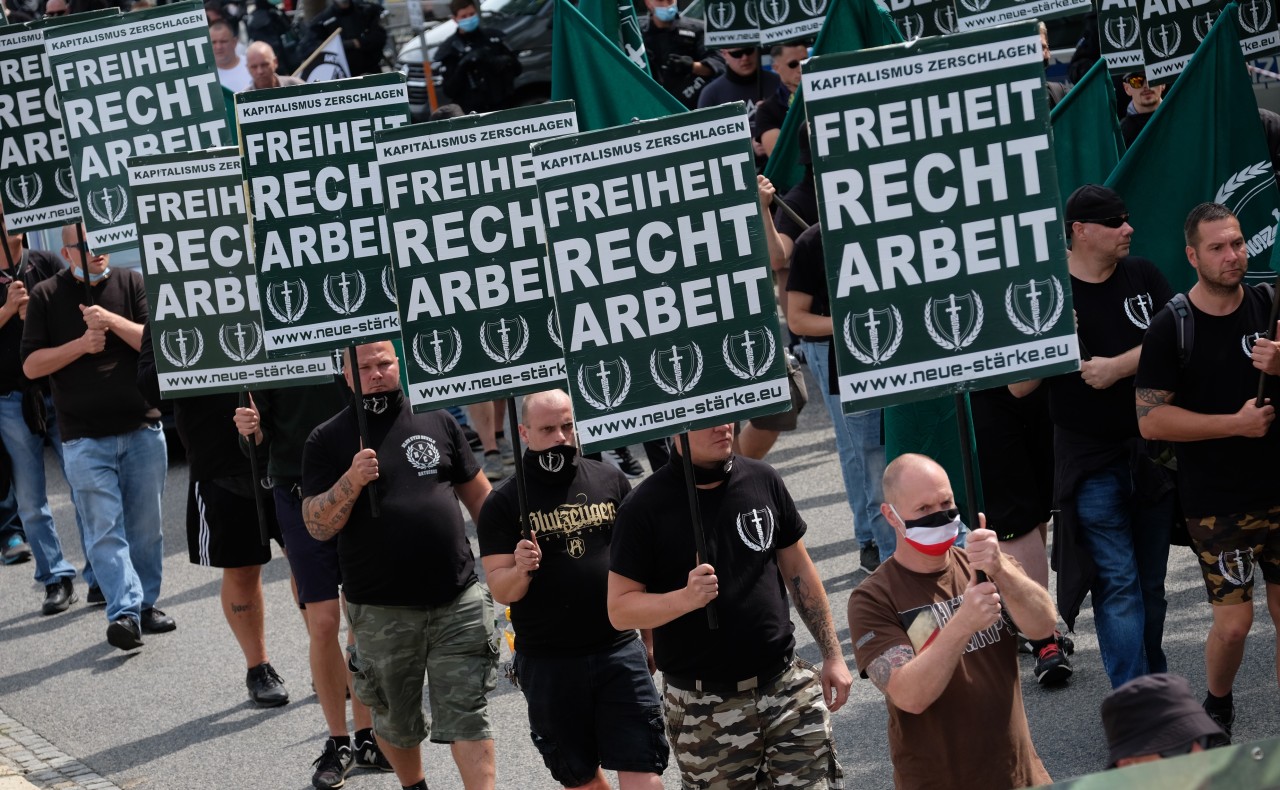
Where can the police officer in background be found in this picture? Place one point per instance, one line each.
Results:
(681, 63)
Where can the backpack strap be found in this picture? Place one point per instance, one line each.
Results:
(1185, 326)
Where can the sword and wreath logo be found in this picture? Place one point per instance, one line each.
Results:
(945, 18)
(241, 342)
(437, 352)
(775, 12)
(1138, 310)
(874, 336)
(1255, 16)
(287, 300)
(1200, 24)
(1247, 341)
(552, 329)
(1237, 566)
(504, 340)
(108, 205)
(976, 6)
(954, 321)
(814, 8)
(182, 347)
(1121, 31)
(720, 15)
(605, 384)
(24, 191)
(1165, 39)
(752, 12)
(912, 26)
(756, 528)
(677, 369)
(345, 292)
(64, 182)
(388, 279)
(1035, 306)
(749, 354)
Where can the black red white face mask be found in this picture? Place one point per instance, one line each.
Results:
(932, 534)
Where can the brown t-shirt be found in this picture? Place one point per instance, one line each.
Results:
(975, 734)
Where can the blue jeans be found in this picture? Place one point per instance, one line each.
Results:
(1129, 544)
(118, 483)
(862, 458)
(27, 452)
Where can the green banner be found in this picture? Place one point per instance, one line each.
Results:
(977, 14)
(732, 23)
(476, 309)
(1171, 32)
(38, 188)
(1118, 35)
(661, 276)
(921, 18)
(193, 234)
(140, 84)
(315, 201)
(942, 229)
(1087, 144)
(789, 20)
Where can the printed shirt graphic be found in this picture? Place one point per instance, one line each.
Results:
(896, 607)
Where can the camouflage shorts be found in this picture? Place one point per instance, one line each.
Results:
(778, 735)
(1232, 548)
(453, 645)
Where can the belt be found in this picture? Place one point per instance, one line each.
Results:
(769, 675)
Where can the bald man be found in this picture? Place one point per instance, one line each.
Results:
(587, 683)
(940, 643)
(262, 62)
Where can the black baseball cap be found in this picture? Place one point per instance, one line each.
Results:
(1093, 202)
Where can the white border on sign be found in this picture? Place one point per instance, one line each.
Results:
(127, 32)
(445, 388)
(163, 174)
(287, 337)
(1167, 68)
(594, 156)
(585, 426)
(288, 369)
(25, 38)
(303, 106)
(1019, 13)
(456, 140)
(21, 220)
(778, 35)
(118, 234)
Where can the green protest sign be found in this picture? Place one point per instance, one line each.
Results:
(1118, 35)
(942, 229)
(193, 234)
(788, 20)
(920, 18)
(140, 84)
(39, 190)
(1172, 30)
(732, 23)
(661, 276)
(315, 206)
(463, 217)
(977, 14)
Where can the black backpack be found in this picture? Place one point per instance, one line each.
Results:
(1186, 326)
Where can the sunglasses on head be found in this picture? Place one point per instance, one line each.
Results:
(740, 53)
(1108, 222)
(1137, 83)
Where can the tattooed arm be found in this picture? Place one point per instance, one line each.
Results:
(1159, 418)
(326, 514)
(810, 599)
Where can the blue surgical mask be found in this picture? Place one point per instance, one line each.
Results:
(469, 24)
(94, 279)
(666, 13)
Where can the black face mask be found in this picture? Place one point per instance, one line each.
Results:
(555, 462)
(704, 475)
(381, 402)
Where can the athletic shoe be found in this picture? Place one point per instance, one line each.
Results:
(508, 452)
(58, 596)
(95, 597)
(494, 469)
(1064, 642)
(368, 755)
(1224, 718)
(624, 460)
(1025, 646)
(1052, 666)
(155, 621)
(266, 687)
(331, 766)
(124, 633)
(869, 557)
(15, 550)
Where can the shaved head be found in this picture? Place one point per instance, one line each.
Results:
(554, 399)
(546, 420)
(905, 470)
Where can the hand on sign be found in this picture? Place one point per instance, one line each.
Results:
(16, 301)
(1265, 354)
(703, 587)
(1099, 372)
(364, 468)
(528, 554)
(248, 421)
(1253, 421)
(93, 340)
(97, 317)
(767, 191)
(679, 64)
(980, 608)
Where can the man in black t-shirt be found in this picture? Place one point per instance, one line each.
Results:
(408, 573)
(1114, 502)
(592, 702)
(1190, 392)
(85, 338)
(738, 703)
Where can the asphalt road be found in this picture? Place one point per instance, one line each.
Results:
(175, 716)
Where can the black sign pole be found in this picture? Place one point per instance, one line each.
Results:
(8, 253)
(1271, 335)
(358, 394)
(966, 463)
(695, 514)
(254, 472)
(522, 497)
(84, 261)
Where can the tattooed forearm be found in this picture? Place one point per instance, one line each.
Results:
(325, 515)
(1149, 399)
(884, 664)
(816, 614)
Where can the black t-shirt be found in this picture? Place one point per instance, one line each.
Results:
(803, 200)
(1217, 476)
(96, 395)
(35, 266)
(746, 520)
(416, 553)
(808, 274)
(772, 112)
(1113, 317)
(571, 515)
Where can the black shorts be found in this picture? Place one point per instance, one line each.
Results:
(314, 563)
(222, 527)
(1015, 459)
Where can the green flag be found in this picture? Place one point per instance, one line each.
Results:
(617, 20)
(591, 70)
(1086, 134)
(1205, 143)
(851, 25)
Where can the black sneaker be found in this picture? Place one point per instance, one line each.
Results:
(124, 633)
(1064, 642)
(624, 460)
(1223, 717)
(155, 621)
(368, 755)
(331, 766)
(869, 557)
(95, 597)
(1052, 666)
(266, 687)
(58, 596)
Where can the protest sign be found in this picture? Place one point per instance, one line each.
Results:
(139, 84)
(661, 276)
(788, 20)
(315, 206)
(920, 18)
(942, 229)
(193, 235)
(39, 189)
(732, 23)
(466, 234)
(977, 14)
(1118, 35)
(1171, 32)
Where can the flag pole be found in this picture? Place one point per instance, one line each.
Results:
(8, 253)
(695, 515)
(362, 422)
(790, 212)
(84, 260)
(256, 475)
(1271, 335)
(966, 463)
(323, 45)
(522, 497)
